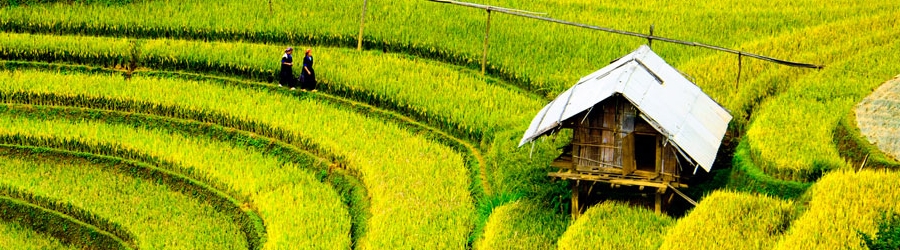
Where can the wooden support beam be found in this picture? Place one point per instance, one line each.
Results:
(688, 199)
(596, 161)
(596, 145)
(615, 180)
(563, 164)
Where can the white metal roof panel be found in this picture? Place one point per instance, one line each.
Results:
(605, 70)
(548, 118)
(681, 111)
(554, 115)
(636, 82)
(699, 144)
(711, 116)
(533, 127)
(588, 94)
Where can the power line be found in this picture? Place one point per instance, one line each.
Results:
(528, 14)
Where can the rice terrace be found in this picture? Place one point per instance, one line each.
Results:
(441, 124)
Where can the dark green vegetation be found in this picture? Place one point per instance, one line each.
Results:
(888, 236)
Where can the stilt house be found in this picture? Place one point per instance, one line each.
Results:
(636, 122)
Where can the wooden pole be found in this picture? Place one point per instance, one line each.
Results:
(362, 21)
(575, 210)
(487, 34)
(270, 7)
(650, 38)
(737, 83)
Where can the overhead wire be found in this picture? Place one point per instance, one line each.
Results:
(529, 14)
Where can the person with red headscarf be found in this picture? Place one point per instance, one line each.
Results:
(308, 75)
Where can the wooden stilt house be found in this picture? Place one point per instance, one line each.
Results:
(636, 122)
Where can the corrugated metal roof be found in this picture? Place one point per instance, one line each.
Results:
(670, 102)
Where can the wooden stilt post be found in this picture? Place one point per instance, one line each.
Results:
(575, 210)
(658, 205)
(362, 21)
(487, 35)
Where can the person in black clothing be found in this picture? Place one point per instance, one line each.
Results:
(287, 71)
(308, 75)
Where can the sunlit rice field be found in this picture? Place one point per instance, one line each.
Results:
(406, 145)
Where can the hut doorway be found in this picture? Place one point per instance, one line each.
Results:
(645, 152)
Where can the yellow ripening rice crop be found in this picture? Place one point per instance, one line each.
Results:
(614, 225)
(731, 220)
(791, 133)
(431, 90)
(824, 44)
(297, 209)
(843, 204)
(418, 187)
(521, 225)
(158, 216)
(551, 55)
(15, 236)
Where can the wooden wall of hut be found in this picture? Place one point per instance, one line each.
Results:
(612, 138)
(599, 135)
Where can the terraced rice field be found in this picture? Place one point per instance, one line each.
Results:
(158, 217)
(559, 55)
(843, 200)
(169, 109)
(758, 225)
(521, 225)
(253, 176)
(15, 236)
(796, 151)
(156, 92)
